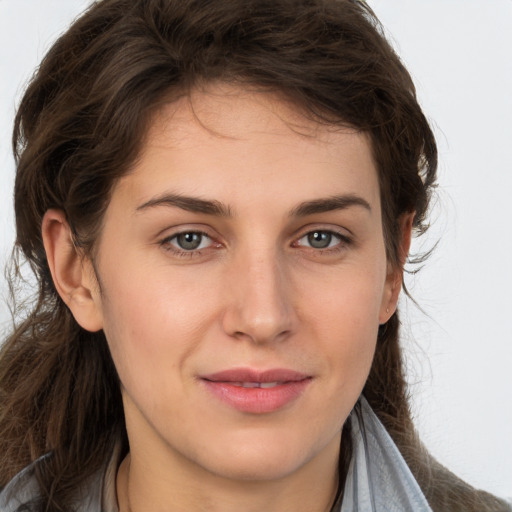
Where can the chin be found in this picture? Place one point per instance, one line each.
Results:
(265, 459)
(257, 469)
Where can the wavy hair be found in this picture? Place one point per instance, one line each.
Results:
(81, 124)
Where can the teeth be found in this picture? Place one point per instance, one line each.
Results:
(269, 384)
(264, 385)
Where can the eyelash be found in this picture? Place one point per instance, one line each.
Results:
(343, 242)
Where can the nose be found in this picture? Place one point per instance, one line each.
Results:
(259, 302)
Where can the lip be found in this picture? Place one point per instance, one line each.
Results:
(240, 388)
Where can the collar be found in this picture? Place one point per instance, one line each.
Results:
(378, 477)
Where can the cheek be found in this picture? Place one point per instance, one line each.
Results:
(348, 300)
(344, 314)
(152, 321)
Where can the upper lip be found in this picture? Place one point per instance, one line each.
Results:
(252, 375)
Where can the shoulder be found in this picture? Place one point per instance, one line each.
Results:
(21, 493)
(378, 475)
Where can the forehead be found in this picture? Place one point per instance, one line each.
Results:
(225, 140)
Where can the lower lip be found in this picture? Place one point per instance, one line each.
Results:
(257, 400)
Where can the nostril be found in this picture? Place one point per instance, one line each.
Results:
(261, 338)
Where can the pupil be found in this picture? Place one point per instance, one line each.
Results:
(319, 239)
(189, 241)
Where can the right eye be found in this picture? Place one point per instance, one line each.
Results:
(188, 241)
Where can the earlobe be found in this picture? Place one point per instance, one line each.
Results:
(395, 273)
(72, 273)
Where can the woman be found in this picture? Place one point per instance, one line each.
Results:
(217, 201)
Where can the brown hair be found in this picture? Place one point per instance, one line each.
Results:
(81, 124)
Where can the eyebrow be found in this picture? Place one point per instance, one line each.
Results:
(218, 209)
(327, 204)
(190, 204)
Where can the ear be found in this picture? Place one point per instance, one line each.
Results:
(72, 273)
(395, 273)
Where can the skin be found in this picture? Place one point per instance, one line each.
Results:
(255, 294)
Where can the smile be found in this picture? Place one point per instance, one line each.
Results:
(257, 392)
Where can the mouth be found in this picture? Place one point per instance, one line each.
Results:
(257, 392)
(262, 385)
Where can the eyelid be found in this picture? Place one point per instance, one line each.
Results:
(171, 231)
(340, 231)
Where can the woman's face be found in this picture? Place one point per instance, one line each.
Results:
(243, 278)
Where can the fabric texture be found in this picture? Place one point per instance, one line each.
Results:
(378, 477)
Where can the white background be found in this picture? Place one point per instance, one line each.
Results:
(459, 350)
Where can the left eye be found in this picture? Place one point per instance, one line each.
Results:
(320, 239)
(190, 241)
